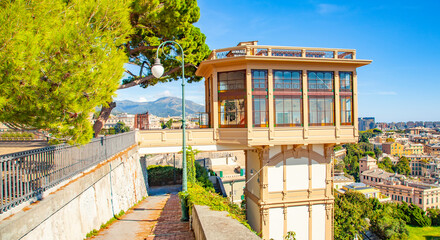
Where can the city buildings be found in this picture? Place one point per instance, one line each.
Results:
(393, 148)
(398, 187)
(141, 121)
(366, 123)
(433, 149)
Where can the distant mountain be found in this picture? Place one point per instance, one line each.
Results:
(162, 107)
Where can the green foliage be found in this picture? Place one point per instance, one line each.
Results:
(168, 124)
(121, 128)
(413, 215)
(156, 21)
(190, 164)
(434, 214)
(352, 210)
(386, 165)
(203, 177)
(337, 148)
(391, 140)
(17, 136)
(377, 152)
(370, 133)
(92, 233)
(370, 153)
(402, 167)
(386, 225)
(290, 236)
(95, 232)
(350, 215)
(59, 60)
(208, 197)
(161, 175)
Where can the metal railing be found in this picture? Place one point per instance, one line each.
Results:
(277, 51)
(28, 174)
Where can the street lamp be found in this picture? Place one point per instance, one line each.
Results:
(157, 71)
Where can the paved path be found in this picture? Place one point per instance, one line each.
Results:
(157, 217)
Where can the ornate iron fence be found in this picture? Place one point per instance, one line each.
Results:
(28, 174)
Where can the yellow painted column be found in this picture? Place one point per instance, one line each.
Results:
(355, 105)
(249, 115)
(305, 102)
(215, 104)
(337, 106)
(270, 102)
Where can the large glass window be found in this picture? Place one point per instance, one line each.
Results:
(321, 98)
(259, 98)
(232, 112)
(288, 111)
(321, 109)
(231, 96)
(287, 80)
(346, 93)
(346, 110)
(346, 81)
(320, 81)
(232, 80)
(287, 86)
(259, 80)
(260, 111)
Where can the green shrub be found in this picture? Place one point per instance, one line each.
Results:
(203, 177)
(161, 175)
(208, 197)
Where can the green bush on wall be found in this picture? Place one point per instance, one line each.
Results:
(16, 136)
(162, 175)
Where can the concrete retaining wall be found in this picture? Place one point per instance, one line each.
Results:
(216, 225)
(84, 203)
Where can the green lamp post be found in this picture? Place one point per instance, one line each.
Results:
(157, 71)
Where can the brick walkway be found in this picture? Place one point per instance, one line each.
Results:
(157, 217)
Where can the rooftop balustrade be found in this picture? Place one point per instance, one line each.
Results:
(277, 51)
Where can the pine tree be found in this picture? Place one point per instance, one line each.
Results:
(59, 60)
(154, 22)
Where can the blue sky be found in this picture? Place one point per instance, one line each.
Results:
(401, 37)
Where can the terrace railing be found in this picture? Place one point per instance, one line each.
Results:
(28, 174)
(276, 51)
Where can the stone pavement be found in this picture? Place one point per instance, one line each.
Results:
(157, 217)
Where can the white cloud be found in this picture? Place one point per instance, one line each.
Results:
(142, 99)
(165, 93)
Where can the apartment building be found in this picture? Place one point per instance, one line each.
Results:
(399, 188)
(432, 149)
(393, 148)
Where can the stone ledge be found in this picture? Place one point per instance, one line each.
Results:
(215, 225)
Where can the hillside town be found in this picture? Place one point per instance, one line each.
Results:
(415, 143)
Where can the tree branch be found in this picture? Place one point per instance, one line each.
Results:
(141, 48)
(149, 77)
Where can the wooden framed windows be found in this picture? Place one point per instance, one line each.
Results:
(287, 98)
(321, 98)
(231, 99)
(346, 97)
(259, 98)
(288, 111)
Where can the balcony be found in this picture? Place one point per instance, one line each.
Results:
(288, 52)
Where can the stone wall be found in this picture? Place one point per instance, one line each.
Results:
(84, 203)
(217, 225)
